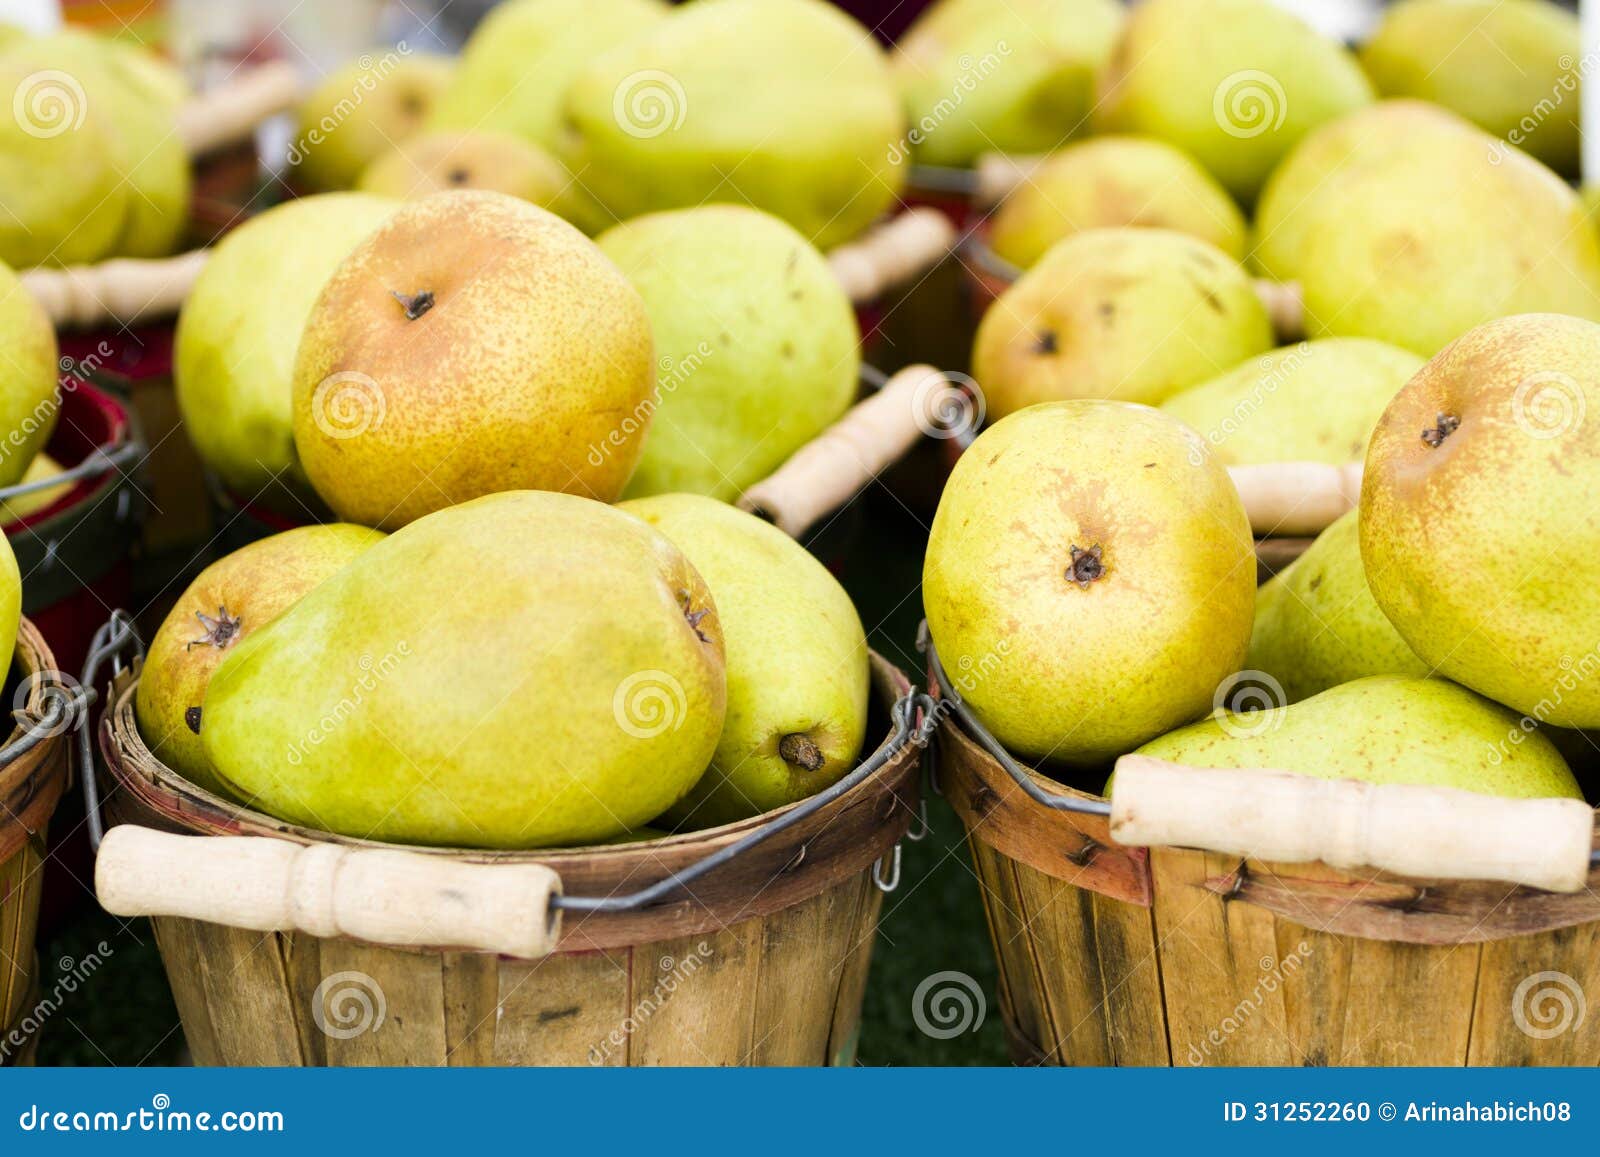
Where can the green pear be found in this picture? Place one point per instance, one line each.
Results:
(1313, 402)
(516, 67)
(797, 662)
(1368, 215)
(786, 105)
(474, 343)
(26, 505)
(10, 605)
(1130, 314)
(1476, 529)
(1017, 77)
(461, 684)
(1111, 181)
(1382, 729)
(1317, 625)
(1234, 82)
(27, 378)
(758, 345)
(1512, 69)
(230, 600)
(1090, 579)
(361, 112)
(65, 200)
(436, 162)
(233, 356)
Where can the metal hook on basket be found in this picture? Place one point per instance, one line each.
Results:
(919, 830)
(893, 882)
(115, 638)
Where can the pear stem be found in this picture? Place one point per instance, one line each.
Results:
(220, 631)
(799, 751)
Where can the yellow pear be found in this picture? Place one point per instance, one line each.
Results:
(28, 371)
(361, 112)
(16, 509)
(436, 162)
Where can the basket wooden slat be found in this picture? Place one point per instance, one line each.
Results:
(763, 963)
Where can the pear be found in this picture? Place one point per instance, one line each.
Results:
(1313, 402)
(518, 63)
(1130, 314)
(361, 112)
(1372, 231)
(25, 506)
(230, 600)
(10, 604)
(758, 345)
(233, 356)
(1016, 77)
(1090, 579)
(1475, 530)
(460, 684)
(1382, 729)
(786, 105)
(27, 378)
(474, 343)
(1234, 82)
(797, 668)
(1317, 625)
(1112, 181)
(436, 162)
(1510, 68)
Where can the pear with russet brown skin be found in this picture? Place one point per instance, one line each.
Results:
(1478, 531)
(230, 600)
(474, 343)
(1090, 579)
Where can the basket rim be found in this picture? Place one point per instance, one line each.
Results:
(31, 787)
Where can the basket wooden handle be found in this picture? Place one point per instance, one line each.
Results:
(1296, 498)
(127, 289)
(893, 253)
(373, 894)
(1425, 832)
(229, 113)
(827, 471)
(996, 175)
(1286, 307)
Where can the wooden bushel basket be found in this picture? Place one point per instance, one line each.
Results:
(30, 788)
(762, 961)
(1148, 952)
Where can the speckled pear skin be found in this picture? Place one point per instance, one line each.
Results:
(1072, 657)
(1234, 82)
(1313, 402)
(1502, 66)
(1372, 229)
(241, 593)
(1023, 71)
(797, 661)
(1383, 729)
(1112, 181)
(530, 368)
(233, 357)
(1130, 314)
(28, 370)
(757, 346)
(530, 669)
(1478, 530)
(1317, 624)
